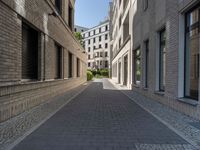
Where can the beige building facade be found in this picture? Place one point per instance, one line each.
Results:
(121, 42)
(164, 51)
(40, 57)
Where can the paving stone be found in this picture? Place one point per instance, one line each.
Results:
(102, 118)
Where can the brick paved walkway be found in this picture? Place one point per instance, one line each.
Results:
(103, 119)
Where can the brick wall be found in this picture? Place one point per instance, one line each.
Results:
(146, 25)
(16, 95)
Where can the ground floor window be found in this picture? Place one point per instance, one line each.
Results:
(78, 67)
(58, 62)
(70, 65)
(146, 43)
(162, 60)
(29, 52)
(137, 66)
(192, 54)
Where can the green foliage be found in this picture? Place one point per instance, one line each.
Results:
(100, 73)
(79, 37)
(89, 76)
(104, 72)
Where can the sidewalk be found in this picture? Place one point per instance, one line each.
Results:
(183, 125)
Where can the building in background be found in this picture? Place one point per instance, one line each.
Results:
(40, 57)
(96, 42)
(80, 29)
(121, 42)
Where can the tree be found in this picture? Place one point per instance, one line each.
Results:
(79, 37)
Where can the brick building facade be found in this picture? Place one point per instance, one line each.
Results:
(165, 50)
(40, 57)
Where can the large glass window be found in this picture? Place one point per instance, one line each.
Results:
(162, 69)
(137, 66)
(192, 54)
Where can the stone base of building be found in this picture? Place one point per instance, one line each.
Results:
(172, 102)
(16, 99)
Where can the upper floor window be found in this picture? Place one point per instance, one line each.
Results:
(58, 4)
(99, 38)
(106, 36)
(106, 27)
(70, 16)
(99, 30)
(106, 45)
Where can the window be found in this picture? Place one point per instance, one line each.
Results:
(192, 54)
(145, 4)
(137, 66)
(70, 16)
(101, 54)
(78, 67)
(58, 4)
(99, 30)
(106, 27)
(94, 47)
(106, 45)
(88, 33)
(146, 43)
(29, 52)
(94, 32)
(99, 45)
(88, 41)
(75, 29)
(89, 64)
(88, 49)
(99, 38)
(106, 54)
(70, 68)
(88, 56)
(106, 36)
(58, 62)
(106, 64)
(94, 40)
(162, 60)
(120, 41)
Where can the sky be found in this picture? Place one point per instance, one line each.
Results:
(89, 13)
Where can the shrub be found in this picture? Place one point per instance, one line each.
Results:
(89, 75)
(104, 72)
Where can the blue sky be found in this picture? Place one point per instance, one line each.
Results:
(88, 13)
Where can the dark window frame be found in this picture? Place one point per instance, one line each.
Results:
(35, 61)
(188, 29)
(58, 6)
(146, 43)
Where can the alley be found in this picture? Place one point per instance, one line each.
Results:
(102, 118)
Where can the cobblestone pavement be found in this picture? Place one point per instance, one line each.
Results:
(15, 128)
(184, 125)
(103, 119)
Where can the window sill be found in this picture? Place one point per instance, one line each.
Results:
(160, 93)
(188, 101)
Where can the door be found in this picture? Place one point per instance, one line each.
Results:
(126, 70)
